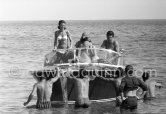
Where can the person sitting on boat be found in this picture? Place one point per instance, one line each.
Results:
(128, 88)
(62, 41)
(78, 44)
(44, 91)
(86, 55)
(151, 84)
(82, 89)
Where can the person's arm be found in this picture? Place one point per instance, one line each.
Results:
(103, 44)
(69, 36)
(121, 88)
(55, 78)
(116, 46)
(144, 88)
(55, 40)
(31, 95)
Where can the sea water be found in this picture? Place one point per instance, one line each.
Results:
(23, 45)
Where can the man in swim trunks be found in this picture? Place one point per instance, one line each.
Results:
(44, 91)
(151, 84)
(128, 88)
(82, 89)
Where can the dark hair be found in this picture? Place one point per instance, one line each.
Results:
(84, 39)
(110, 33)
(119, 72)
(129, 70)
(60, 22)
(145, 76)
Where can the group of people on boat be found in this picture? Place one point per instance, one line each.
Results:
(63, 41)
(126, 83)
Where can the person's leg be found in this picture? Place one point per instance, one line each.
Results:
(79, 103)
(87, 103)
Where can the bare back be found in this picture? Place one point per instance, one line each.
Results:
(44, 91)
(151, 88)
(82, 87)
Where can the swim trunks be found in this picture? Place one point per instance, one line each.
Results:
(129, 103)
(43, 105)
(84, 102)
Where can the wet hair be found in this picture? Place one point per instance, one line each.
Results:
(60, 22)
(82, 73)
(129, 70)
(145, 76)
(119, 72)
(110, 33)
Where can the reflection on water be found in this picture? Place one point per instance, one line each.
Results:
(24, 44)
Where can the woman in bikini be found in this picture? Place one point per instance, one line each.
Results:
(62, 41)
(62, 37)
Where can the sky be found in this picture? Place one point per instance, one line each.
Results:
(81, 9)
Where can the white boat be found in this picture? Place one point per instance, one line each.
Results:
(101, 89)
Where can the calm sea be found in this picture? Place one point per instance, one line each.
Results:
(24, 44)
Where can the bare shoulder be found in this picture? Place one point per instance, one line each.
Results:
(57, 32)
(67, 32)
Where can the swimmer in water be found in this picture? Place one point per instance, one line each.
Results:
(151, 84)
(128, 88)
(44, 91)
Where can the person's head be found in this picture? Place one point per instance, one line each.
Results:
(129, 70)
(110, 35)
(84, 36)
(43, 75)
(82, 73)
(145, 76)
(85, 42)
(42, 78)
(119, 72)
(62, 25)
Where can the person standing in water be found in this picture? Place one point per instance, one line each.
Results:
(44, 91)
(128, 88)
(82, 89)
(151, 84)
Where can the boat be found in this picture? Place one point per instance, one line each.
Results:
(101, 89)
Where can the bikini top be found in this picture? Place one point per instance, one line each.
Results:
(60, 37)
